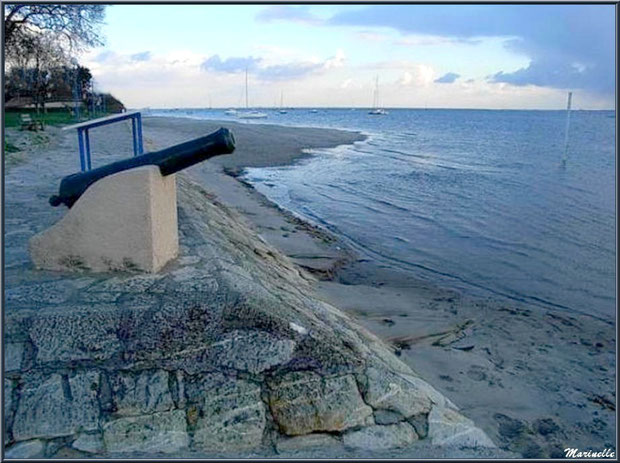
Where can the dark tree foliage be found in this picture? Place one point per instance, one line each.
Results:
(75, 26)
(61, 82)
(112, 104)
(33, 59)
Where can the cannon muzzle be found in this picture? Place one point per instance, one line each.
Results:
(169, 161)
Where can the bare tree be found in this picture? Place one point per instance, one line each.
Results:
(74, 26)
(39, 39)
(35, 60)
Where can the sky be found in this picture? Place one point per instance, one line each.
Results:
(436, 56)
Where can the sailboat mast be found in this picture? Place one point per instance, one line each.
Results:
(568, 104)
(375, 94)
(246, 89)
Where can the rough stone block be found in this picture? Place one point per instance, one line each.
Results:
(160, 432)
(51, 292)
(13, 354)
(387, 417)
(126, 283)
(420, 424)
(387, 390)
(55, 405)
(67, 453)
(381, 437)
(81, 333)
(126, 221)
(190, 279)
(141, 393)
(233, 415)
(304, 402)
(253, 351)
(8, 395)
(91, 443)
(448, 427)
(30, 449)
(8, 404)
(306, 442)
(174, 327)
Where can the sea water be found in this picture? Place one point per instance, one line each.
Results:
(477, 200)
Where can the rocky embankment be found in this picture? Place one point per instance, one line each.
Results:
(225, 350)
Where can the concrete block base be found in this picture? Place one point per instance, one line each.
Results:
(126, 221)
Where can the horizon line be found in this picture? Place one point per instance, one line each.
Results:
(276, 108)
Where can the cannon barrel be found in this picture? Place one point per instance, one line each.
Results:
(169, 161)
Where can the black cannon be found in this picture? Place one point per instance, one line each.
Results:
(169, 161)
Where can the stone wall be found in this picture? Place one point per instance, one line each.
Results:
(227, 349)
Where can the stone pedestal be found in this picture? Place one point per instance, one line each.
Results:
(126, 221)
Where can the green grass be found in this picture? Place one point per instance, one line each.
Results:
(12, 154)
(52, 117)
(10, 147)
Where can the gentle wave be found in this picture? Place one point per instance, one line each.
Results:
(478, 200)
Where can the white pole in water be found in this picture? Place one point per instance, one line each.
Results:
(570, 96)
(246, 88)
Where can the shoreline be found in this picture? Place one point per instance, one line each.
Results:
(536, 381)
(252, 140)
(519, 372)
(358, 273)
(309, 246)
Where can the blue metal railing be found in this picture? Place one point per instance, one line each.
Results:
(84, 139)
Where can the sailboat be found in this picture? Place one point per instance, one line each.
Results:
(249, 114)
(376, 111)
(282, 110)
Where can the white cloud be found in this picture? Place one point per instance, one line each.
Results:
(346, 83)
(417, 75)
(336, 61)
(170, 79)
(406, 78)
(274, 54)
(273, 70)
(183, 78)
(230, 65)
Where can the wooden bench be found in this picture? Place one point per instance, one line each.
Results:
(29, 124)
(84, 140)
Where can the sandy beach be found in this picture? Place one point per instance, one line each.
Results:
(536, 381)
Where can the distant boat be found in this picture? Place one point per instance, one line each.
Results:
(230, 112)
(314, 110)
(376, 111)
(249, 114)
